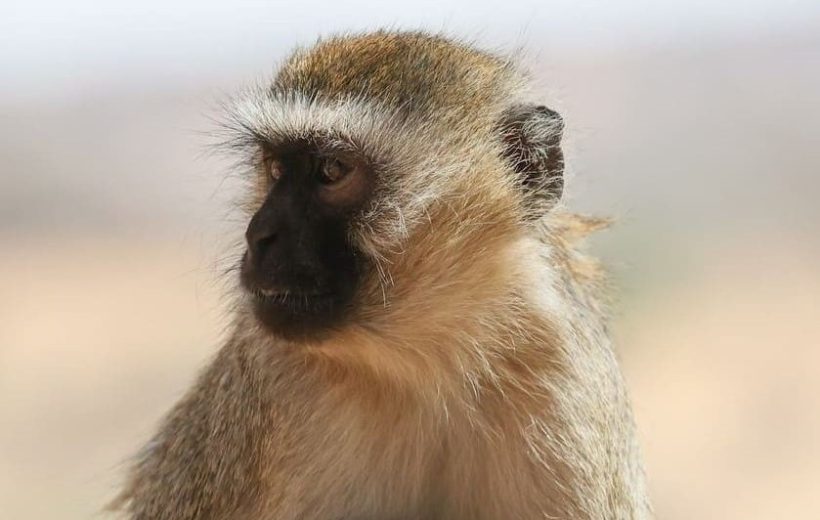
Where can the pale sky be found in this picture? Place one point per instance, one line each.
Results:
(58, 48)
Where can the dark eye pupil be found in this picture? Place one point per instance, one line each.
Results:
(332, 171)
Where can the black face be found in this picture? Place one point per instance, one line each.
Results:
(299, 266)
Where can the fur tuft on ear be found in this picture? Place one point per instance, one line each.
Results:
(531, 135)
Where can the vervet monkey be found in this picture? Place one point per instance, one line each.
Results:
(418, 335)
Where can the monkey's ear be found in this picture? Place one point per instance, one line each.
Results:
(531, 135)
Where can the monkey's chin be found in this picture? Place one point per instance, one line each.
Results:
(297, 316)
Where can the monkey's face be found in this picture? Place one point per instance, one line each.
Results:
(299, 266)
(358, 214)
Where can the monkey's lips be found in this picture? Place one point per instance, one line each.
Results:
(270, 297)
(301, 307)
(295, 315)
(289, 298)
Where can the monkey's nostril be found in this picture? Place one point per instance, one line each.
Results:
(259, 242)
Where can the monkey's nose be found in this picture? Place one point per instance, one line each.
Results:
(260, 238)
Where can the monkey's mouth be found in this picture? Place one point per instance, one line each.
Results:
(294, 314)
(291, 299)
(300, 307)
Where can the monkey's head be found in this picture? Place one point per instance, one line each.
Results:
(388, 170)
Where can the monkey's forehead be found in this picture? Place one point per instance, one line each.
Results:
(411, 71)
(399, 98)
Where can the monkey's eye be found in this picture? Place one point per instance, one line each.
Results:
(332, 171)
(274, 168)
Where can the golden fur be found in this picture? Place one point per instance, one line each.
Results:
(475, 378)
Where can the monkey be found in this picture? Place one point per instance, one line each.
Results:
(420, 333)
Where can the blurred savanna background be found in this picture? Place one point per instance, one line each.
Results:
(695, 124)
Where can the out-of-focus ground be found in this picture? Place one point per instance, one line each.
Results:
(112, 226)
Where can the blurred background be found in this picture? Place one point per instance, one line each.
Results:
(694, 123)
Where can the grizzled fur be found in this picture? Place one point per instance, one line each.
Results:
(475, 377)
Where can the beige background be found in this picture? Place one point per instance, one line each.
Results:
(695, 125)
